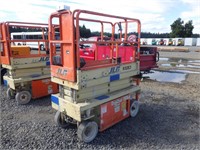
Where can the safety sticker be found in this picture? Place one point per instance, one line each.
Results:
(103, 109)
(50, 89)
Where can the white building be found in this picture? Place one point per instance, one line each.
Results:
(198, 41)
(190, 41)
(149, 41)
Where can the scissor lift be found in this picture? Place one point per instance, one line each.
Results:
(94, 94)
(28, 71)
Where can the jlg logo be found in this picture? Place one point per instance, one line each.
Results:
(40, 59)
(62, 72)
(114, 69)
(44, 59)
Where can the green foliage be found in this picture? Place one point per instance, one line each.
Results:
(84, 32)
(154, 35)
(188, 28)
(96, 33)
(195, 35)
(143, 34)
(179, 29)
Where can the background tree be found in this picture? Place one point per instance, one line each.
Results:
(84, 32)
(188, 28)
(179, 29)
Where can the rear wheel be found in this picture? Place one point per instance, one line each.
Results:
(42, 47)
(10, 93)
(23, 97)
(60, 120)
(87, 131)
(134, 109)
(3, 72)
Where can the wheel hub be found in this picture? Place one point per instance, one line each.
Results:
(23, 97)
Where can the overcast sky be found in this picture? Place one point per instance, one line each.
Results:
(155, 15)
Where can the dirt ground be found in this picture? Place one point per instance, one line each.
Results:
(168, 119)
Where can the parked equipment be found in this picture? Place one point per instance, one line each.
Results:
(180, 42)
(144, 43)
(94, 93)
(28, 72)
(161, 42)
(149, 56)
(171, 42)
(154, 42)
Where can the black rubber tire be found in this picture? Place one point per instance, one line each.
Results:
(3, 72)
(10, 93)
(23, 97)
(134, 108)
(59, 120)
(42, 47)
(87, 131)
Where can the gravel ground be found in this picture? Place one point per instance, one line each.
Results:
(168, 119)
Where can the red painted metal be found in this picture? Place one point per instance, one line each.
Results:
(43, 87)
(114, 112)
(148, 58)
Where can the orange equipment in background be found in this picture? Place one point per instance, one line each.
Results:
(20, 50)
(28, 67)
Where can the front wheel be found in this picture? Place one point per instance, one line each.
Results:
(23, 97)
(87, 131)
(3, 72)
(10, 93)
(42, 47)
(60, 120)
(134, 109)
